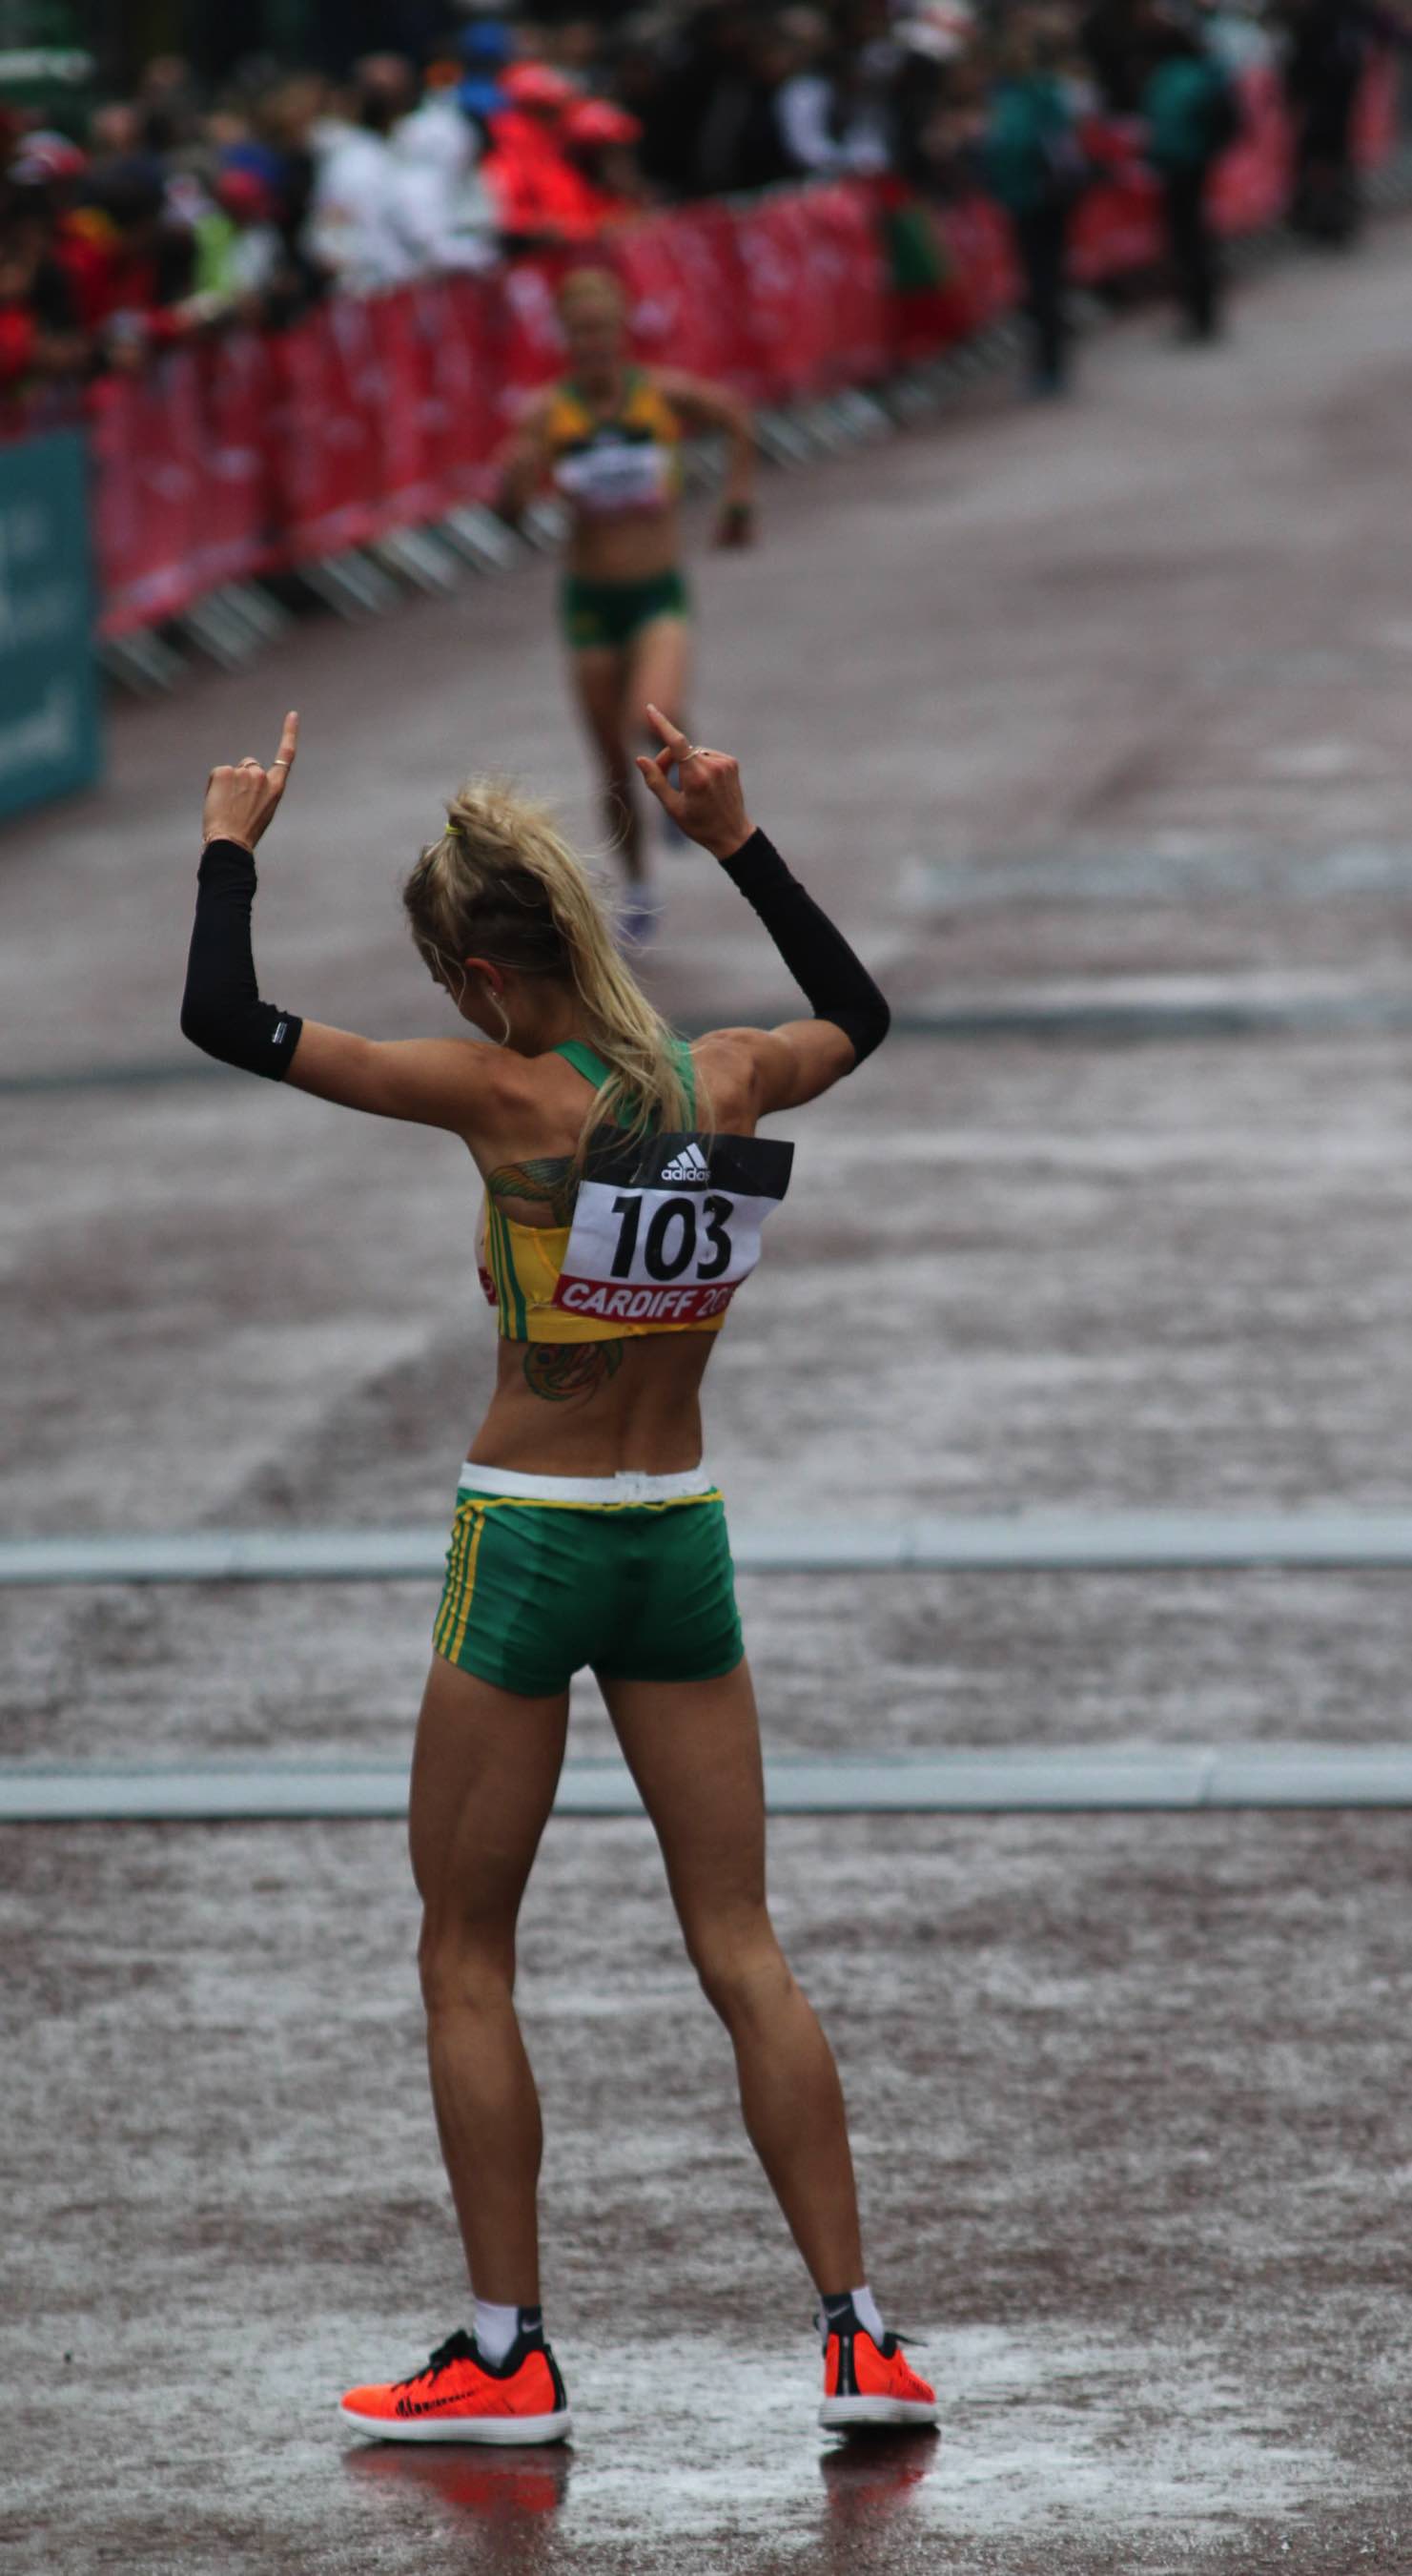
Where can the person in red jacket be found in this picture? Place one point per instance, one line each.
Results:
(601, 139)
(131, 266)
(538, 193)
(41, 335)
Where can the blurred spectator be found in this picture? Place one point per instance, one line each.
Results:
(115, 131)
(1035, 167)
(1192, 114)
(741, 144)
(538, 193)
(1108, 34)
(707, 101)
(168, 106)
(828, 121)
(601, 140)
(355, 227)
(191, 209)
(1330, 43)
(239, 250)
(132, 269)
(41, 334)
(280, 150)
(441, 205)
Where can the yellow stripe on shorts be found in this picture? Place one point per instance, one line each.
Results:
(469, 1584)
(446, 1616)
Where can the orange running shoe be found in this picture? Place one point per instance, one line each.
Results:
(461, 2397)
(870, 2383)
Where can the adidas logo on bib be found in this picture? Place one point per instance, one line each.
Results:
(690, 1165)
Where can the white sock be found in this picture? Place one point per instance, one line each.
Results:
(865, 2309)
(495, 2329)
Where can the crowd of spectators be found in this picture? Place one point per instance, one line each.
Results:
(179, 207)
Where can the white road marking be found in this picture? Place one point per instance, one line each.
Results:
(1064, 1779)
(1046, 1542)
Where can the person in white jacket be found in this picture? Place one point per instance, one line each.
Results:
(356, 227)
(440, 204)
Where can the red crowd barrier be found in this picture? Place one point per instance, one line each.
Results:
(241, 454)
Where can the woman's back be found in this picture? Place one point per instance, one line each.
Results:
(623, 1396)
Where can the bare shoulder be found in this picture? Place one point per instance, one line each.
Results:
(783, 1068)
(730, 1063)
(674, 382)
(539, 410)
(531, 429)
(685, 392)
(434, 1082)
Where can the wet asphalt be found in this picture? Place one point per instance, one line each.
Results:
(1063, 712)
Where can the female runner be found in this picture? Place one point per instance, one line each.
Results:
(608, 441)
(625, 1191)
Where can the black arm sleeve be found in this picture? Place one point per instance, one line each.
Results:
(221, 1009)
(835, 983)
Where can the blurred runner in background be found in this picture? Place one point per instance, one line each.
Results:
(607, 441)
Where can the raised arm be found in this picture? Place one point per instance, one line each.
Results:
(796, 1062)
(705, 406)
(437, 1082)
(523, 464)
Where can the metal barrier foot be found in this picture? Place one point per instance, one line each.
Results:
(479, 537)
(413, 555)
(350, 584)
(142, 662)
(546, 526)
(229, 640)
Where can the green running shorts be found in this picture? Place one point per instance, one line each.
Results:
(636, 1583)
(599, 614)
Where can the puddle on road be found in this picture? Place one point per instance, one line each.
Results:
(702, 2459)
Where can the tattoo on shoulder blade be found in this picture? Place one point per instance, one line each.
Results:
(559, 1371)
(544, 1181)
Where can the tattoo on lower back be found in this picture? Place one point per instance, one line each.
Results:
(560, 1371)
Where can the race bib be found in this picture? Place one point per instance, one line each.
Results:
(617, 474)
(665, 1230)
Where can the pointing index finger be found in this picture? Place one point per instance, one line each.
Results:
(288, 744)
(676, 743)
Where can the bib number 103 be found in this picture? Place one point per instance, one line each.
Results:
(682, 1234)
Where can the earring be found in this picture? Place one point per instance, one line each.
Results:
(504, 1019)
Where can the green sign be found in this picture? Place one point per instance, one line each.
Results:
(49, 737)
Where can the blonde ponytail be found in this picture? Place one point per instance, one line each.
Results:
(502, 883)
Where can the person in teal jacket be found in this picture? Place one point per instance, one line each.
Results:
(1192, 115)
(1033, 165)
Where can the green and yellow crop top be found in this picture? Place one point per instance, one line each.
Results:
(657, 1237)
(630, 462)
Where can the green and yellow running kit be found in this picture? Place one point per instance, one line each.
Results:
(628, 1574)
(664, 1230)
(625, 466)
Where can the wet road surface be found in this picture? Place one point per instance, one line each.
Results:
(1102, 710)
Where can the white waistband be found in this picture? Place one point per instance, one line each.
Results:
(630, 1486)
